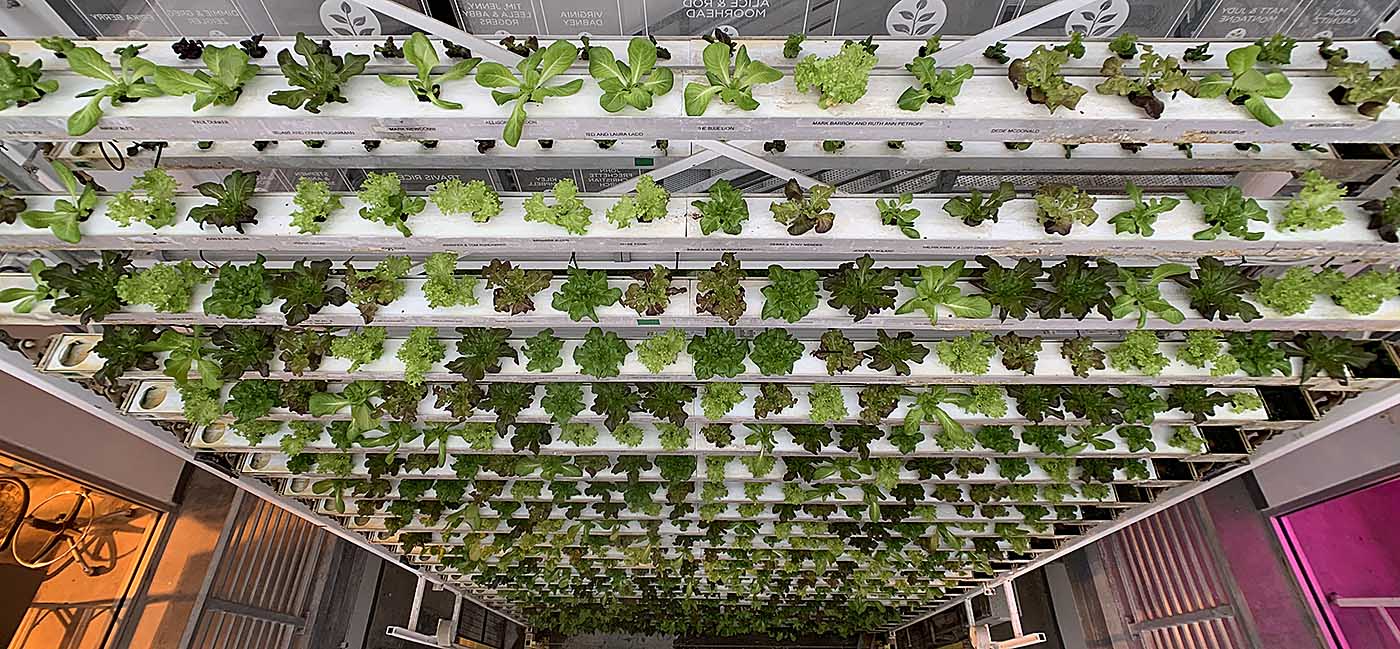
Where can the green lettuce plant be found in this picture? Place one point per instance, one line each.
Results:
(1314, 207)
(221, 85)
(936, 287)
(841, 78)
(444, 288)
(156, 209)
(125, 84)
(474, 198)
(724, 211)
(646, 206)
(67, 213)
(536, 71)
(932, 86)
(166, 287)
(21, 85)
(583, 293)
(386, 201)
(568, 211)
(427, 87)
(730, 76)
(635, 83)
(315, 202)
(319, 79)
(1248, 86)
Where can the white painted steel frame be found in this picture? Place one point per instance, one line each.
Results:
(1356, 410)
(20, 367)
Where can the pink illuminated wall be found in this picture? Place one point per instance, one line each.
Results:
(1350, 546)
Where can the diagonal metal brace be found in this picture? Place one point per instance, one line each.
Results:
(710, 151)
(479, 46)
(974, 44)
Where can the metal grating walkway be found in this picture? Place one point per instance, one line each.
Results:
(1173, 588)
(270, 570)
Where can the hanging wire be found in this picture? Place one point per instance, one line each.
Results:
(102, 146)
(160, 148)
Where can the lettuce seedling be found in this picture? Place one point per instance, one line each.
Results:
(222, 85)
(1138, 351)
(860, 288)
(659, 350)
(1012, 291)
(473, 197)
(936, 286)
(542, 352)
(444, 288)
(360, 347)
(651, 294)
(1059, 207)
(26, 298)
(480, 351)
(418, 353)
(977, 208)
(804, 212)
(88, 291)
(601, 354)
(775, 351)
(532, 86)
(156, 210)
(568, 211)
(320, 78)
(239, 291)
(790, 294)
(635, 83)
(1039, 72)
(969, 354)
(1357, 87)
(731, 83)
(649, 204)
(514, 289)
(67, 213)
(725, 211)
(370, 289)
(167, 287)
(1385, 215)
(424, 57)
(1125, 45)
(386, 201)
(1082, 355)
(932, 86)
(895, 212)
(1313, 208)
(1156, 73)
(126, 84)
(898, 352)
(1080, 285)
(1333, 355)
(230, 207)
(583, 292)
(314, 202)
(842, 78)
(186, 354)
(304, 292)
(720, 292)
(1248, 87)
(1219, 290)
(1142, 293)
(21, 84)
(1226, 211)
(1276, 50)
(1142, 216)
(719, 352)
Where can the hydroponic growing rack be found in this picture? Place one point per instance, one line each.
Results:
(583, 424)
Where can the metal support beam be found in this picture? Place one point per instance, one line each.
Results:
(975, 44)
(17, 365)
(1365, 406)
(665, 171)
(479, 46)
(739, 155)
